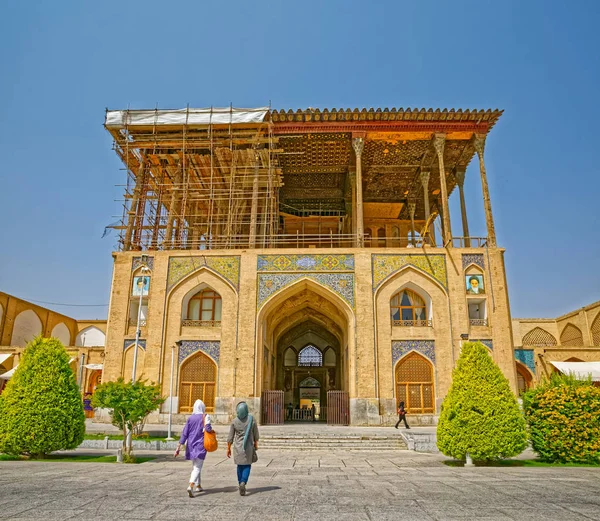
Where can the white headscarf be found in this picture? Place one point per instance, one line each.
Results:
(199, 407)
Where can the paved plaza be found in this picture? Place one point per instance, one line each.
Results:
(285, 485)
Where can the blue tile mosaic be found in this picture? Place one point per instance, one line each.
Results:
(128, 343)
(137, 262)
(211, 347)
(402, 347)
(385, 265)
(525, 356)
(487, 343)
(306, 262)
(473, 258)
(271, 283)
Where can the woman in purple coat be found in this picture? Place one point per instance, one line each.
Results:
(193, 434)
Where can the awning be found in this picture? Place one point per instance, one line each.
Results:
(205, 116)
(94, 366)
(5, 356)
(8, 374)
(580, 370)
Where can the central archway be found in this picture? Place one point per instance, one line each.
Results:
(305, 334)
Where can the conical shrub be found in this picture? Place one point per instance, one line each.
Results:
(480, 415)
(41, 409)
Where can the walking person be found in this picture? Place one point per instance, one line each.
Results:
(402, 415)
(193, 438)
(243, 435)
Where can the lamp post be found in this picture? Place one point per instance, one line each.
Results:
(170, 434)
(138, 330)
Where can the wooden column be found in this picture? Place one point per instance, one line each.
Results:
(173, 207)
(425, 182)
(479, 143)
(254, 208)
(353, 188)
(459, 173)
(133, 209)
(439, 140)
(358, 143)
(411, 210)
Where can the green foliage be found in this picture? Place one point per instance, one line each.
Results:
(41, 410)
(130, 403)
(480, 415)
(563, 414)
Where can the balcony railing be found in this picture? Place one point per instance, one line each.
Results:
(412, 323)
(478, 321)
(133, 322)
(201, 323)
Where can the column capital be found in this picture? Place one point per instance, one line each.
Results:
(425, 175)
(459, 174)
(479, 143)
(439, 140)
(412, 206)
(358, 144)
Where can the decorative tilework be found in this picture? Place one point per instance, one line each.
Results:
(385, 265)
(211, 347)
(129, 343)
(525, 356)
(424, 347)
(136, 262)
(227, 266)
(271, 283)
(324, 262)
(473, 258)
(487, 343)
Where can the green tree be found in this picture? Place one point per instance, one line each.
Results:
(130, 404)
(563, 414)
(480, 415)
(41, 410)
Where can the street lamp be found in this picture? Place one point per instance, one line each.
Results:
(138, 331)
(170, 434)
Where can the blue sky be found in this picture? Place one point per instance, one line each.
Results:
(62, 63)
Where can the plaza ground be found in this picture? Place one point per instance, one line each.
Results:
(285, 485)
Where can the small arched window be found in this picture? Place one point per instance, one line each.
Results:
(205, 306)
(408, 309)
(310, 356)
(289, 358)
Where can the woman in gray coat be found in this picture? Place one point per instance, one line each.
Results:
(243, 435)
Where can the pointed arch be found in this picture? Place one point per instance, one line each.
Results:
(524, 377)
(571, 336)
(290, 357)
(90, 336)
(128, 356)
(201, 274)
(26, 327)
(310, 356)
(410, 306)
(389, 280)
(202, 305)
(414, 375)
(539, 337)
(595, 329)
(61, 331)
(197, 381)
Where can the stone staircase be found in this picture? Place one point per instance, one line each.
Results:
(326, 441)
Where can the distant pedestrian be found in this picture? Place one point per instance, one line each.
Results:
(193, 438)
(313, 412)
(243, 435)
(290, 411)
(402, 415)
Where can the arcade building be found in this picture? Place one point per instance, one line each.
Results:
(306, 262)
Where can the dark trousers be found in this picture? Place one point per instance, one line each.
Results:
(402, 417)
(243, 472)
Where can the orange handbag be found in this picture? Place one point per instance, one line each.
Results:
(210, 441)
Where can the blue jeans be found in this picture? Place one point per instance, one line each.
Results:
(243, 472)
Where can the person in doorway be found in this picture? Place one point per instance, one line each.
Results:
(402, 415)
(313, 412)
(290, 411)
(193, 438)
(243, 435)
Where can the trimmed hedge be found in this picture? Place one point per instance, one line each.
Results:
(41, 410)
(480, 414)
(564, 420)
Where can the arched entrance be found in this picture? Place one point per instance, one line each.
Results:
(524, 378)
(306, 338)
(198, 380)
(414, 384)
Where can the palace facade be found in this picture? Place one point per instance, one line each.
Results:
(304, 258)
